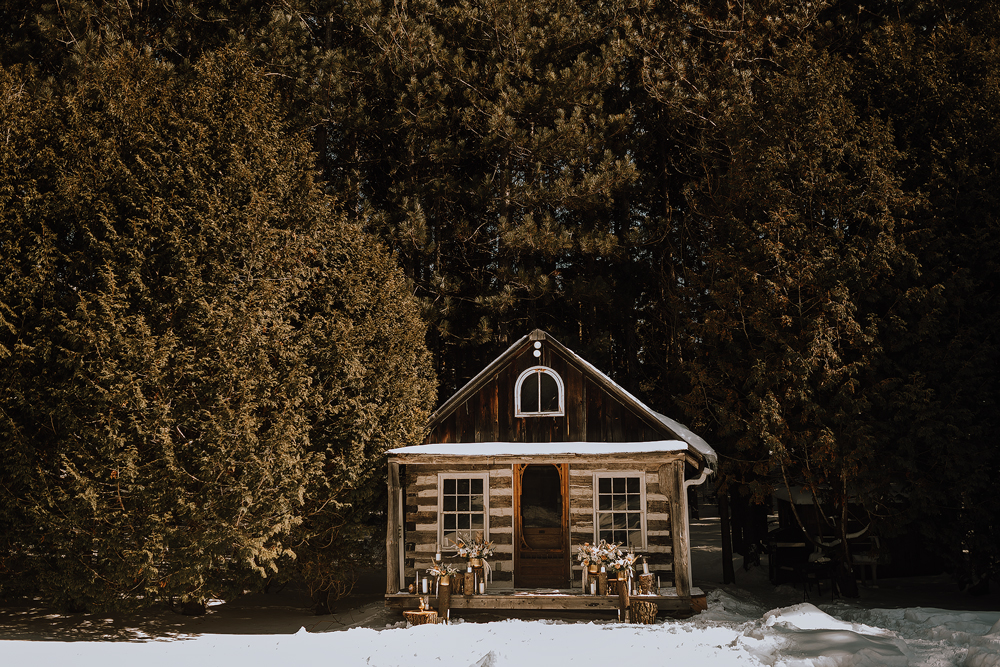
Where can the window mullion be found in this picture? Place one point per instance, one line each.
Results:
(539, 382)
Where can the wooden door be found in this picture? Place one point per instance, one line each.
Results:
(541, 526)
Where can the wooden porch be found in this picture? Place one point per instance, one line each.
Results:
(552, 600)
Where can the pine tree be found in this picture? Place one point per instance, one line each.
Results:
(933, 71)
(493, 158)
(185, 382)
(488, 145)
(62, 37)
(801, 251)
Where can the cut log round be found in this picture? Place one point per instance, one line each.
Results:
(645, 584)
(421, 617)
(643, 611)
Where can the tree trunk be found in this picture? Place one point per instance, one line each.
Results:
(728, 573)
(844, 576)
(420, 617)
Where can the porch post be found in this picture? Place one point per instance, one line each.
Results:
(672, 484)
(393, 534)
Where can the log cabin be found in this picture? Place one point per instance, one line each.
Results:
(540, 453)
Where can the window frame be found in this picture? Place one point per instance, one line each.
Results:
(625, 474)
(442, 476)
(542, 370)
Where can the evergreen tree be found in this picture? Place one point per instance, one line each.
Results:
(802, 244)
(487, 144)
(371, 388)
(501, 161)
(934, 72)
(189, 319)
(898, 395)
(62, 37)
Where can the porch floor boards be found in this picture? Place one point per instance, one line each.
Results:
(550, 599)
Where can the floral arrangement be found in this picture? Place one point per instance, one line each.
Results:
(474, 548)
(443, 570)
(610, 556)
(596, 554)
(592, 554)
(623, 562)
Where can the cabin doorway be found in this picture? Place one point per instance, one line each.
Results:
(541, 526)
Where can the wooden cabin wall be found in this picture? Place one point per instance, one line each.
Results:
(592, 414)
(421, 516)
(659, 550)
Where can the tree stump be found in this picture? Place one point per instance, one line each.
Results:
(643, 611)
(645, 584)
(470, 584)
(421, 617)
(602, 583)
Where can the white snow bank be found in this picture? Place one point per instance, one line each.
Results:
(737, 630)
(807, 636)
(942, 632)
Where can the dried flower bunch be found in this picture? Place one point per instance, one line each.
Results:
(610, 556)
(443, 570)
(474, 548)
(623, 562)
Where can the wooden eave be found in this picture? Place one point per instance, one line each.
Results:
(560, 457)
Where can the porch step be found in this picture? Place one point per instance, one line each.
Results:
(552, 599)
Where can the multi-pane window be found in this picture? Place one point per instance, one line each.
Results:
(539, 392)
(619, 508)
(463, 506)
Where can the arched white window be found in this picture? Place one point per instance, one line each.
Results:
(539, 393)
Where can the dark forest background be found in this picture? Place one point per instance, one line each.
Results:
(246, 244)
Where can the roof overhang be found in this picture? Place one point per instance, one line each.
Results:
(548, 452)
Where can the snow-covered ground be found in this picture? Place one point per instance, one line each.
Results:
(902, 622)
(736, 630)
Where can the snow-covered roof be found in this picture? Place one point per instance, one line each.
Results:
(683, 432)
(491, 449)
(693, 439)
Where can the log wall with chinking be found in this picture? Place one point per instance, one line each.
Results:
(421, 514)
(658, 551)
(421, 518)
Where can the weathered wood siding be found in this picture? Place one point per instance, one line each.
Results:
(421, 528)
(658, 552)
(421, 516)
(591, 414)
